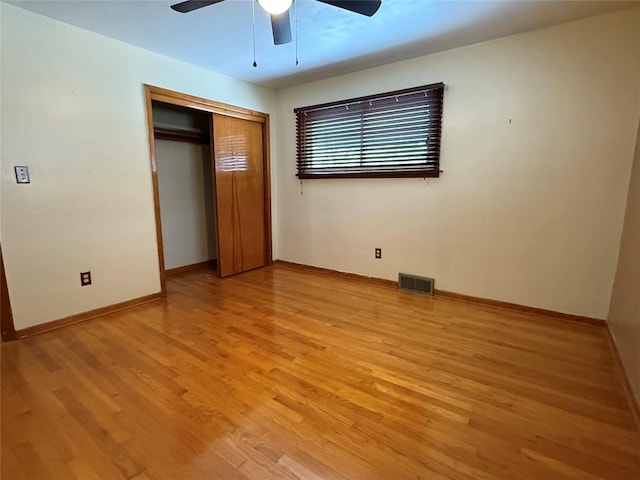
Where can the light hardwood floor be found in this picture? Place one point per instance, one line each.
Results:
(281, 373)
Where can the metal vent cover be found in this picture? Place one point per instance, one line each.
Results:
(414, 283)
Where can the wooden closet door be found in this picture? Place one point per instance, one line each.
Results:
(237, 146)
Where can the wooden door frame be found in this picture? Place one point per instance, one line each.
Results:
(7, 328)
(210, 106)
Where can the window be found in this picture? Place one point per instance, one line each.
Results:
(394, 134)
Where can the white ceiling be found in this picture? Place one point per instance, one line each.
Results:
(331, 41)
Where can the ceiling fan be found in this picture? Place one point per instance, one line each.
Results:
(279, 12)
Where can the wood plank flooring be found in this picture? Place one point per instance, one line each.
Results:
(280, 373)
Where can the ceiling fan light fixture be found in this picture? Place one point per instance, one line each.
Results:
(275, 7)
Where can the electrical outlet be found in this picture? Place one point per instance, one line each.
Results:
(85, 278)
(22, 174)
(378, 253)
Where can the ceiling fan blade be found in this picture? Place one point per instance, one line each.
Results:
(191, 5)
(281, 26)
(363, 7)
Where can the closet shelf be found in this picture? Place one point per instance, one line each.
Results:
(180, 134)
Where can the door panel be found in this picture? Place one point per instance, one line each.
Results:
(239, 174)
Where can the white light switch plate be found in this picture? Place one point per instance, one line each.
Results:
(22, 174)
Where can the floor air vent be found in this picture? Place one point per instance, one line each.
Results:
(414, 283)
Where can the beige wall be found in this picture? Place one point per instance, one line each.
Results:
(186, 206)
(624, 316)
(73, 110)
(528, 212)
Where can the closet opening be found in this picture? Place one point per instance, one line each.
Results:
(185, 187)
(211, 179)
